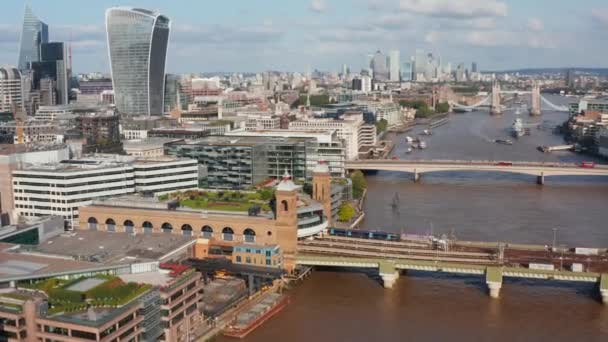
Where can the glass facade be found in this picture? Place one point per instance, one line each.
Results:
(137, 41)
(242, 163)
(34, 33)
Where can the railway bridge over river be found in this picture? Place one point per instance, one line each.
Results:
(538, 169)
(493, 261)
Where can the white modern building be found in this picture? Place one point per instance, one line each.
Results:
(10, 89)
(368, 136)
(347, 129)
(161, 175)
(61, 188)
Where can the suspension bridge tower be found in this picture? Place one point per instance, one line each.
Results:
(535, 107)
(495, 108)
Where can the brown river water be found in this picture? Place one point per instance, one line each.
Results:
(347, 306)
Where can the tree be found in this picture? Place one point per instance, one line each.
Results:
(381, 125)
(359, 183)
(443, 107)
(266, 194)
(346, 212)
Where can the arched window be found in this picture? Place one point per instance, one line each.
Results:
(187, 230)
(249, 235)
(92, 223)
(129, 226)
(285, 205)
(228, 234)
(110, 225)
(167, 227)
(148, 227)
(207, 232)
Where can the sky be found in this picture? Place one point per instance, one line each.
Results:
(295, 35)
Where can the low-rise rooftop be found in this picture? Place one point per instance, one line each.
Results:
(113, 248)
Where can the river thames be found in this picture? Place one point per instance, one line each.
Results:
(342, 306)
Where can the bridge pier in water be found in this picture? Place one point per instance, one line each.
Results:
(494, 281)
(603, 287)
(389, 274)
(416, 176)
(540, 180)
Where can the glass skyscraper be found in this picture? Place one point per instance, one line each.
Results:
(33, 34)
(137, 43)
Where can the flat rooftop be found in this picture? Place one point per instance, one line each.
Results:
(146, 144)
(8, 149)
(92, 162)
(15, 265)
(221, 140)
(109, 248)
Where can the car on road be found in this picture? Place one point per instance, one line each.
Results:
(587, 165)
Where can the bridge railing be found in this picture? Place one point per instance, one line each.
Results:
(473, 162)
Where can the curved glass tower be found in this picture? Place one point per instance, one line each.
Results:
(137, 44)
(34, 33)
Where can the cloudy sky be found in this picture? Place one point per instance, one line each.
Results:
(256, 35)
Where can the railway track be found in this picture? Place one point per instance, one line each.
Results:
(400, 250)
(362, 253)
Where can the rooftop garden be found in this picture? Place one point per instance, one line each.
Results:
(7, 301)
(223, 200)
(112, 292)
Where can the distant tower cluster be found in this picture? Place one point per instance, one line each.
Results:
(535, 108)
(495, 108)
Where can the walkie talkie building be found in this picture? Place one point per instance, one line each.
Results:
(137, 44)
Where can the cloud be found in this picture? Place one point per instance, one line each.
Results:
(477, 23)
(393, 21)
(432, 37)
(600, 16)
(456, 8)
(509, 38)
(535, 24)
(222, 34)
(318, 6)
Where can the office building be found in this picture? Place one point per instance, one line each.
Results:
(420, 65)
(394, 65)
(474, 67)
(12, 156)
(347, 129)
(53, 65)
(407, 71)
(60, 188)
(254, 255)
(33, 34)
(101, 131)
(137, 43)
(10, 89)
(379, 67)
(328, 148)
(362, 83)
(602, 142)
(163, 174)
(161, 305)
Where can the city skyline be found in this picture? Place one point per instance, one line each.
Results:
(325, 34)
